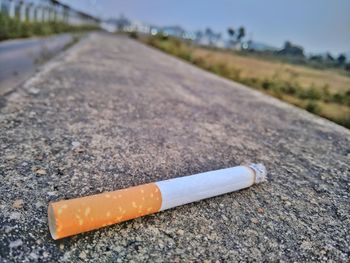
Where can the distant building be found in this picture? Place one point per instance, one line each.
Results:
(251, 45)
(137, 26)
(175, 31)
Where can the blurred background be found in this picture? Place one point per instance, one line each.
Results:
(297, 51)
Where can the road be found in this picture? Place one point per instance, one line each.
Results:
(20, 58)
(111, 113)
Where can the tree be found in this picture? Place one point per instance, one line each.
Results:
(210, 35)
(347, 66)
(316, 58)
(208, 31)
(236, 36)
(329, 57)
(341, 59)
(121, 22)
(241, 33)
(231, 32)
(198, 35)
(287, 45)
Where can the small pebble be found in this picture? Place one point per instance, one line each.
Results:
(39, 204)
(8, 229)
(33, 256)
(15, 215)
(288, 203)
(284, 198)
(40, 172)
(16, 243)
(18, 203)
(82, 255)
(254, 220)
(224, 217)
(180, 232)
(33, 91)
(75, 145)
(10, 157)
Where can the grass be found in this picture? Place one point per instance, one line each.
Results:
(11, 28)
(299, 61)
(322, 92)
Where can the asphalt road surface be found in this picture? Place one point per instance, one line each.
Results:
(111, 113)
(20, 58)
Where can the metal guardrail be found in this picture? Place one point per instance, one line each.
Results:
(45, 11)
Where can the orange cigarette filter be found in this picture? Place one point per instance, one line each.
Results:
(70, 217)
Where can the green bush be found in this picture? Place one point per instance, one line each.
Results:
(162, 36)
(266, 84)
(184, 54)
(134, 35)
(347, 98)
(221, 69)
(344, 121)
(290, 88)
(198, 61)
(312, 94)
(26, 29)
(342, 98)
(312, 107)
(14, 28)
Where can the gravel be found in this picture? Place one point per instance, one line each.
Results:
(111, 113)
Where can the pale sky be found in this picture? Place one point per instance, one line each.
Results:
(317, 25)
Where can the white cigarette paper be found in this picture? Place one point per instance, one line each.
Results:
(70, 217)
(188, 189)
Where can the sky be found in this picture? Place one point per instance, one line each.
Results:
(317, 25)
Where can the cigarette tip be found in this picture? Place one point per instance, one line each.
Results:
(260, 172)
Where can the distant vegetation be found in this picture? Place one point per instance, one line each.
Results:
(289, 53)
(323, 92)
(14, 28)
(294, 54)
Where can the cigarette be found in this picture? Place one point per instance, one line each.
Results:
(74, 216)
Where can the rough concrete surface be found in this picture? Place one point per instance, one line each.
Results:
(111, 113)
